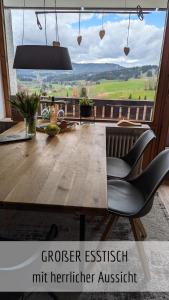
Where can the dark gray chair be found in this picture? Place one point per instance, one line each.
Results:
(123, 167)
(134, 198)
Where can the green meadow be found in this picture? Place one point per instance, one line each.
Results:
(133, 89)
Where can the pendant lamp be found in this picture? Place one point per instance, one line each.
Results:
(42, 58)
(38, 57)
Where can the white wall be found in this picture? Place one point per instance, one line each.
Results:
(2, 108)
(10, 51)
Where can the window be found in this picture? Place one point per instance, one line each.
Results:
(100, 67)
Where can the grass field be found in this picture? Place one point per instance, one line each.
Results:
(106, 89)
(134, 88)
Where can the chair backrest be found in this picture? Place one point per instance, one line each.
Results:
(149, 181)
(139, 147)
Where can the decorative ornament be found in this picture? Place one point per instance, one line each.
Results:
(140, 13)
(79, 38)
(127, 49)
(102, 34)
(38, 22)
(102, 31)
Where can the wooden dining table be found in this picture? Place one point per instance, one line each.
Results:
(65, 174)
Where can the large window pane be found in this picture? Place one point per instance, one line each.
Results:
(100, 67)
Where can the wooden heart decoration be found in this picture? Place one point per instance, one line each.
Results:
(102, 33)
(126, 50)
(79, 39)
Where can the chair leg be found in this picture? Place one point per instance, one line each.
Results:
(140, 247)
(102, 222)
(135, 230)
(106, 232)
(141, 228)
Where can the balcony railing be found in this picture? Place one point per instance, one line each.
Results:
(107, 110)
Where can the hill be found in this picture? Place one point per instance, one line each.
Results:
(88, 72)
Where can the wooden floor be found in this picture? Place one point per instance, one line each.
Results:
(164, 194)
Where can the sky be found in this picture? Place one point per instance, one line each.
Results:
(145, 37)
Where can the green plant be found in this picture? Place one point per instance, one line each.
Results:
(26, 104)
(86, 102)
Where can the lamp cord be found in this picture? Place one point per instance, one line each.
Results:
(23, 23)
(56, 19)
(45, 23)
(102, 20)
(128, 30)
(79, 23)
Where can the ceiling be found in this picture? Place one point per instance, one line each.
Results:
(88, 4)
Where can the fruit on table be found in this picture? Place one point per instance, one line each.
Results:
(52, 130)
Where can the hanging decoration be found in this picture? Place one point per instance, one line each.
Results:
(38, 22)
(46, 38)
(56, 43)
(127, 49)
(102, 31)
(79, 38)
(140, 13)
(56, 57)
(42, 57)
(23, 24)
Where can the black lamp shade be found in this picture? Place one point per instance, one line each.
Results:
(42, 58)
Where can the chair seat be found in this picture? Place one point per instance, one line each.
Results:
(123, 198)
(117, 167)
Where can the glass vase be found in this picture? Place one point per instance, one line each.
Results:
(30, 125)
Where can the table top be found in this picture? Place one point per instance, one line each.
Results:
(66, 172)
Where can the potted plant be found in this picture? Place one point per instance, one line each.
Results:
(86, 107)
(27, 105)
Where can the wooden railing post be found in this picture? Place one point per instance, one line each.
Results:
(137, 113)
(74, 110)
(120, 112)
(128, 113)
(103, 112)
(65, 110)
(114, 113)
(144, 113)
(95, 111)
(111, 112)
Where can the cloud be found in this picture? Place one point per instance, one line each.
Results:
(145, 40)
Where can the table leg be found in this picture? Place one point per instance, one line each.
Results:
(82, 227)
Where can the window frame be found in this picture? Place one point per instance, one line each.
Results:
(160, 123)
